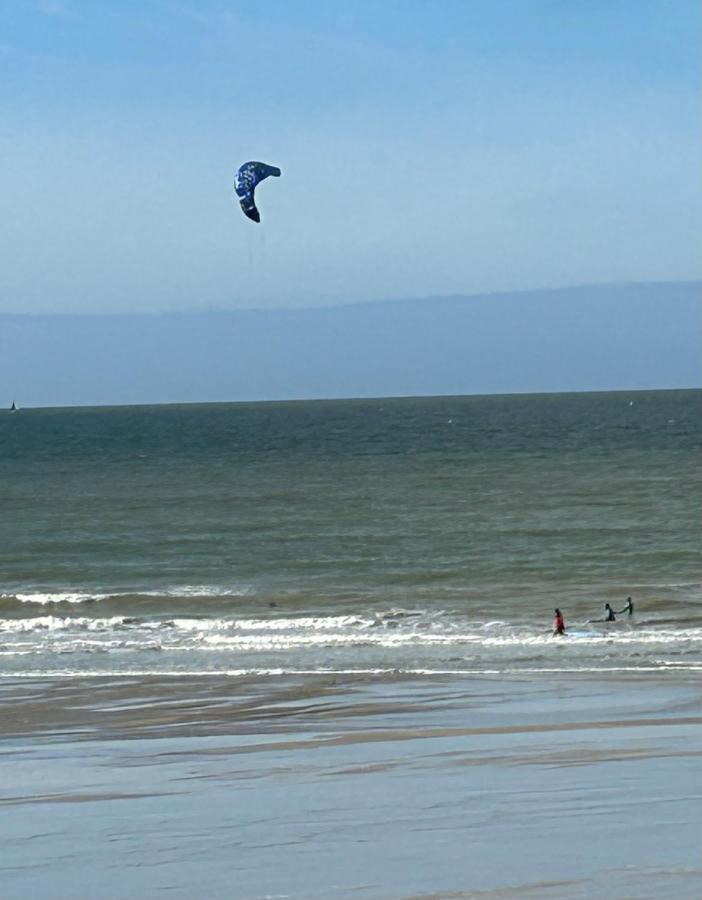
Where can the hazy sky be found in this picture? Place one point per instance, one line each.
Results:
(427, 148)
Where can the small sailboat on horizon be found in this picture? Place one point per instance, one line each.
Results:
(13, 408)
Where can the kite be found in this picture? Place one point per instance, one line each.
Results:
(247, 177)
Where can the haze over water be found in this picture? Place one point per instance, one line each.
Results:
(411, 535)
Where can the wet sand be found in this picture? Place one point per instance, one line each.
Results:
(321, 787)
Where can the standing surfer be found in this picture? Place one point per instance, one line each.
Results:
(558, 623)
(629, 608)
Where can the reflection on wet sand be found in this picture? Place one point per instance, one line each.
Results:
(319, 787)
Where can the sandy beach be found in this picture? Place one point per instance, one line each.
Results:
(321, 786)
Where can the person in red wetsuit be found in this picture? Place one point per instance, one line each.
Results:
(558, 623)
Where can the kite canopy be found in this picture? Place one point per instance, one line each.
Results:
(247, 177)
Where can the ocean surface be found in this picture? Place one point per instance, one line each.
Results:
(420, 535)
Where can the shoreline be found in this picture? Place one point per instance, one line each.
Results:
(219, 702)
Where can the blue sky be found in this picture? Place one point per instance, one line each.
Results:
(427, 148)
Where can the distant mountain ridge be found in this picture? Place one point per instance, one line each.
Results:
(605, 337)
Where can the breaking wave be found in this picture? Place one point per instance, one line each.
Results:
(397, 639)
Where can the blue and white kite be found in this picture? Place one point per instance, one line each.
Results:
(247, 177)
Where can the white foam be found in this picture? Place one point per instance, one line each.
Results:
(275, 672)
(58, 597)
(595, 637)
(60, 623)
(315, 623)
(78, 596)
(198, 590)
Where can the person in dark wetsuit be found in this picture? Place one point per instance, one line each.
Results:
(558, 623)
(609, 614)
(629, 608)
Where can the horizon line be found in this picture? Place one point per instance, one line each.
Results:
(373, 398)
(355, 303)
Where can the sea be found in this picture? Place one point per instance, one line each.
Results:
(384, 536)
